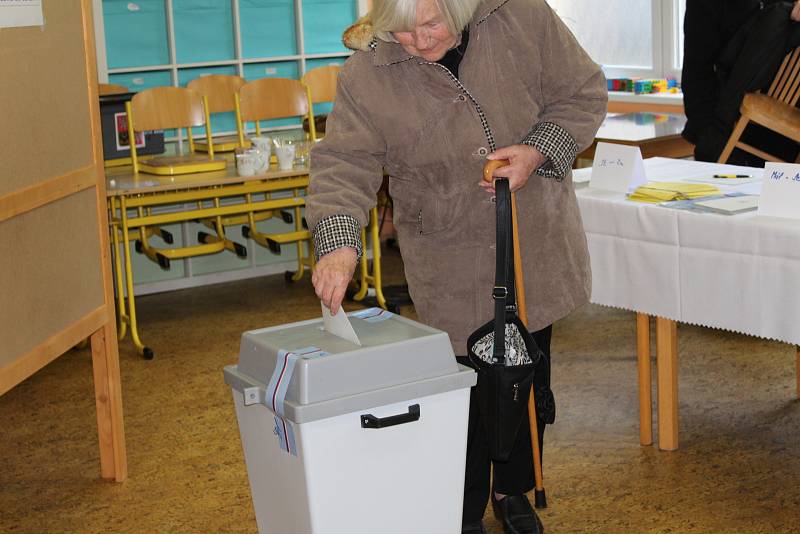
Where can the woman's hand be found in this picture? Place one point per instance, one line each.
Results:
(331, 275)
(796, 12)
(524, 160)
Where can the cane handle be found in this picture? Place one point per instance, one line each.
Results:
(490, 166)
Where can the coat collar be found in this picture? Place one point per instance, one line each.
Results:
(486, 9)
(384, 53)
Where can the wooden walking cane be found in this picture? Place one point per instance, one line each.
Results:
(540, 498)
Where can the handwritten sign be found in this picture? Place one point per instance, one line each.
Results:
(617, 168)
(15, 13)
(780, 193)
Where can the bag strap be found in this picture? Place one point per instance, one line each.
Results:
(503, 292)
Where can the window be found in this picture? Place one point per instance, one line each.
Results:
(148, 43)
(629, 38)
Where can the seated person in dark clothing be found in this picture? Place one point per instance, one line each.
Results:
(731, 47)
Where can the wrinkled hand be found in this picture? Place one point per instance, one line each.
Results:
(796, 12)
(331, 275)
(524, 160)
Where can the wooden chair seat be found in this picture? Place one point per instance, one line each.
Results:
(773, 114)
(225, 143)
(186, 164)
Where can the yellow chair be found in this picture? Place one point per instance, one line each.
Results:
(774, 110)
(162, 108)
(321, 86)
(105, 89)
(270, 99)
(220, 90)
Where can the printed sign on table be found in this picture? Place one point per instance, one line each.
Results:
(780, 193)
(617, 168)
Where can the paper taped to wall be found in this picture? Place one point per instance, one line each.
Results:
(17, 13)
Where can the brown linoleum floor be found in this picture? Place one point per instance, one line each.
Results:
(738, 469)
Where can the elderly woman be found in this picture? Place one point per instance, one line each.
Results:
(435, 89)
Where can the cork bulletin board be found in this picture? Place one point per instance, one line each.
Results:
(55, 278)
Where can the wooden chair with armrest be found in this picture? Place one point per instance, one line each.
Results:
(220, 91)
(774, 110)
(270, 99)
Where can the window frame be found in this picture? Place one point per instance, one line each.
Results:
(173, 67)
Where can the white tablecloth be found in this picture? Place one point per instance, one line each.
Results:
(735, 272)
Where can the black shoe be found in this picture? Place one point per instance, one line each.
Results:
(473, 528)
(516, 515)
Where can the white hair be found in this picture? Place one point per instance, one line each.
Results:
(389, 16)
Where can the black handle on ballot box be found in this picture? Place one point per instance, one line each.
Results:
(370, 421)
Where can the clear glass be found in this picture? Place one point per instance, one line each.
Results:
(615, 33)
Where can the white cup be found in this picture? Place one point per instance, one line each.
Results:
(246, 164)
(285, 154)
(261, 161)
(263, 143)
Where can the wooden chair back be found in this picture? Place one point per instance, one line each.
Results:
(105, 89)
(786, 86)
(321, 83)
(272, 98)
(219, 89)
(162, 108)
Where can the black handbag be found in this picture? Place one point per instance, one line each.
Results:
(506, 369)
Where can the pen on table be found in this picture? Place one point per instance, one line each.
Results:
(732, 176)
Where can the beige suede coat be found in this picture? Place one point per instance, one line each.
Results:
(432, 133)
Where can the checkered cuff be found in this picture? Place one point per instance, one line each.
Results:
(337, 231)
(557, 145)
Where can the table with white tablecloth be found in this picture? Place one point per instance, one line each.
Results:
(734, 272)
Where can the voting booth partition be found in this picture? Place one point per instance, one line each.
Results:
(55, 279)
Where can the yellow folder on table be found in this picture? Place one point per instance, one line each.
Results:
(654, 192)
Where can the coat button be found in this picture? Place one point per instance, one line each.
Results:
(482, 151)
(462, 98)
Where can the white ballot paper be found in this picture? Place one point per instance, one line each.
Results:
(339, 325)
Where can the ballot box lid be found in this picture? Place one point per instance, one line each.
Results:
(309, 373)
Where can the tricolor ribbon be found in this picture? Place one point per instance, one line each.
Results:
(276, 393)
(373, 315)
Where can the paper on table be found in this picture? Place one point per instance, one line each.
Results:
(339, 325)
(731, 205)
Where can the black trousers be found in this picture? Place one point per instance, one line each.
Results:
(513, 477)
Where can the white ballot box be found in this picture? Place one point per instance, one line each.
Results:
(346, 439)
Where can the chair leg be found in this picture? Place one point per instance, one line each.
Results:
(734, 138)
